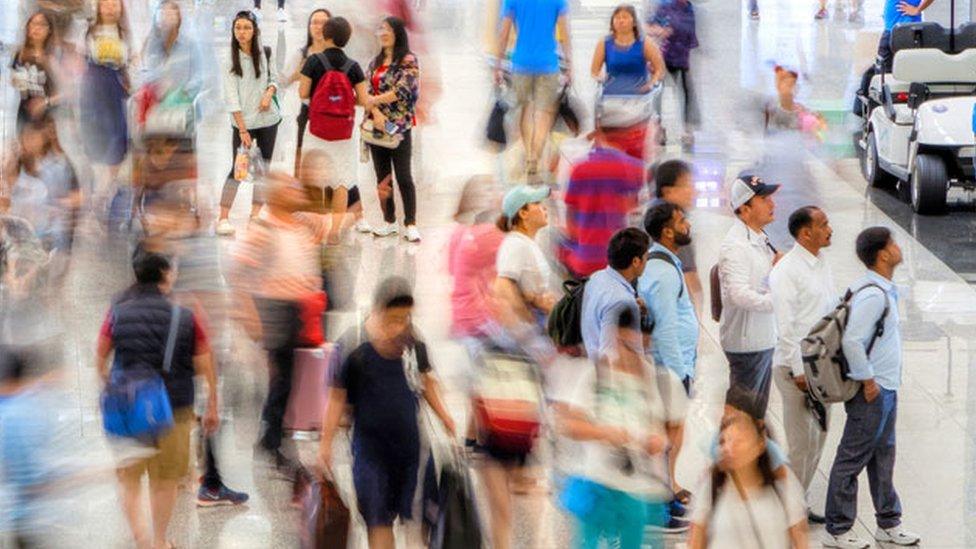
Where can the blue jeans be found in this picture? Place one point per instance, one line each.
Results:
(868, 441)
(753, 374)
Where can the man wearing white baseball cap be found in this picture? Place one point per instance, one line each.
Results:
(747, 327)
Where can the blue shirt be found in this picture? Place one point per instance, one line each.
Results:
(535, 41)
(867, 306)
(607, 293)
(675, 333)
(894, 17)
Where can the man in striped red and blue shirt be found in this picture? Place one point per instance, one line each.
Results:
(602, 190)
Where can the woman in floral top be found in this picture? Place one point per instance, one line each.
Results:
(394, 77)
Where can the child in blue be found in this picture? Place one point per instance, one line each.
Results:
(379, 384)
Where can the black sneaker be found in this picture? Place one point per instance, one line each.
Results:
(674, 526)
(814, 518)
(207, 497)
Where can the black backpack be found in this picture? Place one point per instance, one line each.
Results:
(564, 323)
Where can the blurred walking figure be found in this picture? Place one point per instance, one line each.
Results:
(34, 70)
(343, 78)
(314, 44)
(616, 410)
(803, 292)
(277, 268)
(874, 357)
(282, 14)
(394, 77)
(627, 54)
(674, 183)
(535, 67)
(137, 330)
(384, 373)
(170, 58)
(674, 23)
(745, 502)
(250, 84)
(104, 92)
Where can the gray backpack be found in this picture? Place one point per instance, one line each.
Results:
(824, 363)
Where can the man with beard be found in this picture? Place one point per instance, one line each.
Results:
(673, 327)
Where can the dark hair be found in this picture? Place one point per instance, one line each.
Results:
(668, 173)
(625, 245)
(871, 241)
(149, 267)
(308, 33)
(122, 25)
(633, 15)
(48, 42)
(802, 217)
(764, 463)
(401, 44)
(338, 30)
(658, 217)
(626, 319)
(392, 292)
(235, 49)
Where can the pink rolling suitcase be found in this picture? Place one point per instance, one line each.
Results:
(310, 388)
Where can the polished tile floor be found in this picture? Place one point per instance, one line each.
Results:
(935, 475)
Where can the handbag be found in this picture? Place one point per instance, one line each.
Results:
(135, 403)
(325, 517)
(379, 138)
(624, 111)
(311, 309)
(171, 116)
(458, 525)
(507, 405)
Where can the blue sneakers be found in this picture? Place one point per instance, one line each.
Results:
(222, 496)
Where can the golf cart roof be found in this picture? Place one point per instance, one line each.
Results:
(930, 65)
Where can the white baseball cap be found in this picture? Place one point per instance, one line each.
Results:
(746, 186)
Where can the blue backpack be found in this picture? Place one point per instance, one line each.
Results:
(135, 403)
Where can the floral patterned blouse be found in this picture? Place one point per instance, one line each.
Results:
(404, 79)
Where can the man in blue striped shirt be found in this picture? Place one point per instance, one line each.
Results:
(872, 346)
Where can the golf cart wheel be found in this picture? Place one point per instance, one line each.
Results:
(871, 168)
(929, 184)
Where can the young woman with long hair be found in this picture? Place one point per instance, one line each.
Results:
(32, 70)
(250, 84)
(394, 78)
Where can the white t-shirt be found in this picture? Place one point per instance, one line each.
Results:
(621, 399)
(520, 259)
(727, 521)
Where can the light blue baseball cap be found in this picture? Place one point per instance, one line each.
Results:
(518, 197)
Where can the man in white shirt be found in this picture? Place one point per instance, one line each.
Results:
(803, 292)
(747, 327)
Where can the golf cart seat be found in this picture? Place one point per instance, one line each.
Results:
(919, 35)
(947, 73)
(966, 37)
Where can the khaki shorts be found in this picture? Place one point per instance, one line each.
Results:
(541, 90)
(173, 459)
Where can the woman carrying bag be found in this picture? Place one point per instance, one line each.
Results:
(250, 84)
(394, 78)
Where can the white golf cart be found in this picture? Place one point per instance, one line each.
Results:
(917, 131)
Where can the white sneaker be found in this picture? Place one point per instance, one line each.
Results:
(362, 226)
(282, 15)
(412, 234)
(224, 228)
(386, 229)
(847, 540)
(897, 536)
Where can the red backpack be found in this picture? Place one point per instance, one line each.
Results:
(332, 111)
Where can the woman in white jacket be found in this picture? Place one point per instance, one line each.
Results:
(250, 84)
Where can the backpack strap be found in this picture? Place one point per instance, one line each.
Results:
(879, 325)
(324, 59)
(174, 324)
(668, 259)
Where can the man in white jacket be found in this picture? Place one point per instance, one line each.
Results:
(803, 292)
(747, 328)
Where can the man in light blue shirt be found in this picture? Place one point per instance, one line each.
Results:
(872, 346)
(662, 287)
(611, 290)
